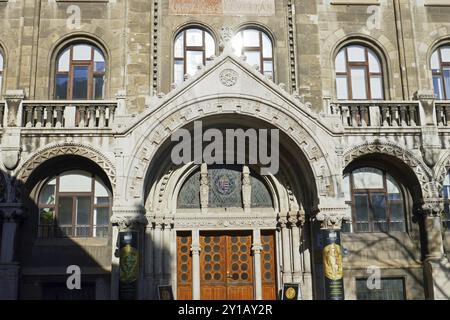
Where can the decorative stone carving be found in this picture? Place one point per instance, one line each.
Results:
(226, 36)
(68, 148)
(246, 190)
(332, 218)
(433, 207)
(204, 188)
(11, 157)
(127, 222)
(13, 99)
(226, 222)
(228, 77)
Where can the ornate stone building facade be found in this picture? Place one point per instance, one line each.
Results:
(92, 91)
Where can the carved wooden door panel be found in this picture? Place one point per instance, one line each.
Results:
(213, 280)
(226, 266)
(268, 265)
(184, 263)
(239, 267)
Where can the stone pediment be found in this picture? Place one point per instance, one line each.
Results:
(228, 77)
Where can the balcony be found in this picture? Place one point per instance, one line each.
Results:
(363, 114)
(68, 114)
(443, 113)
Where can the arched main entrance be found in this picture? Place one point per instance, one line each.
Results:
(226, 231)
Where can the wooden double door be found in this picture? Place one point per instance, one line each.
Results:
(227, 266)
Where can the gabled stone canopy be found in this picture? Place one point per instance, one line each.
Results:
(228, 86)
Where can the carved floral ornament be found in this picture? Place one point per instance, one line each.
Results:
(53, 151)
(228, 77)
(423, 173)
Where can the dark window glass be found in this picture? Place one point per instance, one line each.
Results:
(390, 289)
(61, 86)
(80, 82)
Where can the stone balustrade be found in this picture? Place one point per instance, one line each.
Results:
(443, 113)
(377, 113)
(68, 114)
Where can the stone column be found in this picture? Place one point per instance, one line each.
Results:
(296, 222)
(195, 249)
(436, 264)
(257, 248)
(204, 188)
(9, 269)
(331, 222)
(131, 225)
(287, 269)
(168, 224)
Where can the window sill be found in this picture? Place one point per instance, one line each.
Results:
(68, 242)
(355, 2)
(441, 3)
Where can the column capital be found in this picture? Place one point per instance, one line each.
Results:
(257, 248)
(128, 218)
(195, 249)
(12, 212)
(331, 218)
(432, 207)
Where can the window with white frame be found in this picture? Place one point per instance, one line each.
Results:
(74, 204)
(257, 47)
(359, 74)
(440, 66)
(376, 201)
(193, 47)
(390, 289)
(80, 73)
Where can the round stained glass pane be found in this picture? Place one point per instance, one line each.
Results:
(235, 258)
(235, 267)
(244, 239)
(235, 249)
(184, 240)
(266, 247)
(217, 240)
(244, 267)
(184, 277)
(244, 276)
(234, 239)
(216, 248)
(217, 267)
(184, 268)
(217, 276)
(207, 258)
(207, 239)
(244, 248)
(267, 276)
(244, 257)
(267, 266)
(208, 277)
(217, 258)
(184, 249)
(184, 258)
(267, 257)
(207, 248)
(235, 276)
(207, 267)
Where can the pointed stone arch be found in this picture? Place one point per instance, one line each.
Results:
(60, 149)
(423, 174)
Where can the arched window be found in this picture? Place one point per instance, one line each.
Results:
(1, 72)
(193, 47)
(440, 66)
(74, 204)
(359, 75)
(376, 200)
(446, 190)
(257, 48)
(80, 73)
